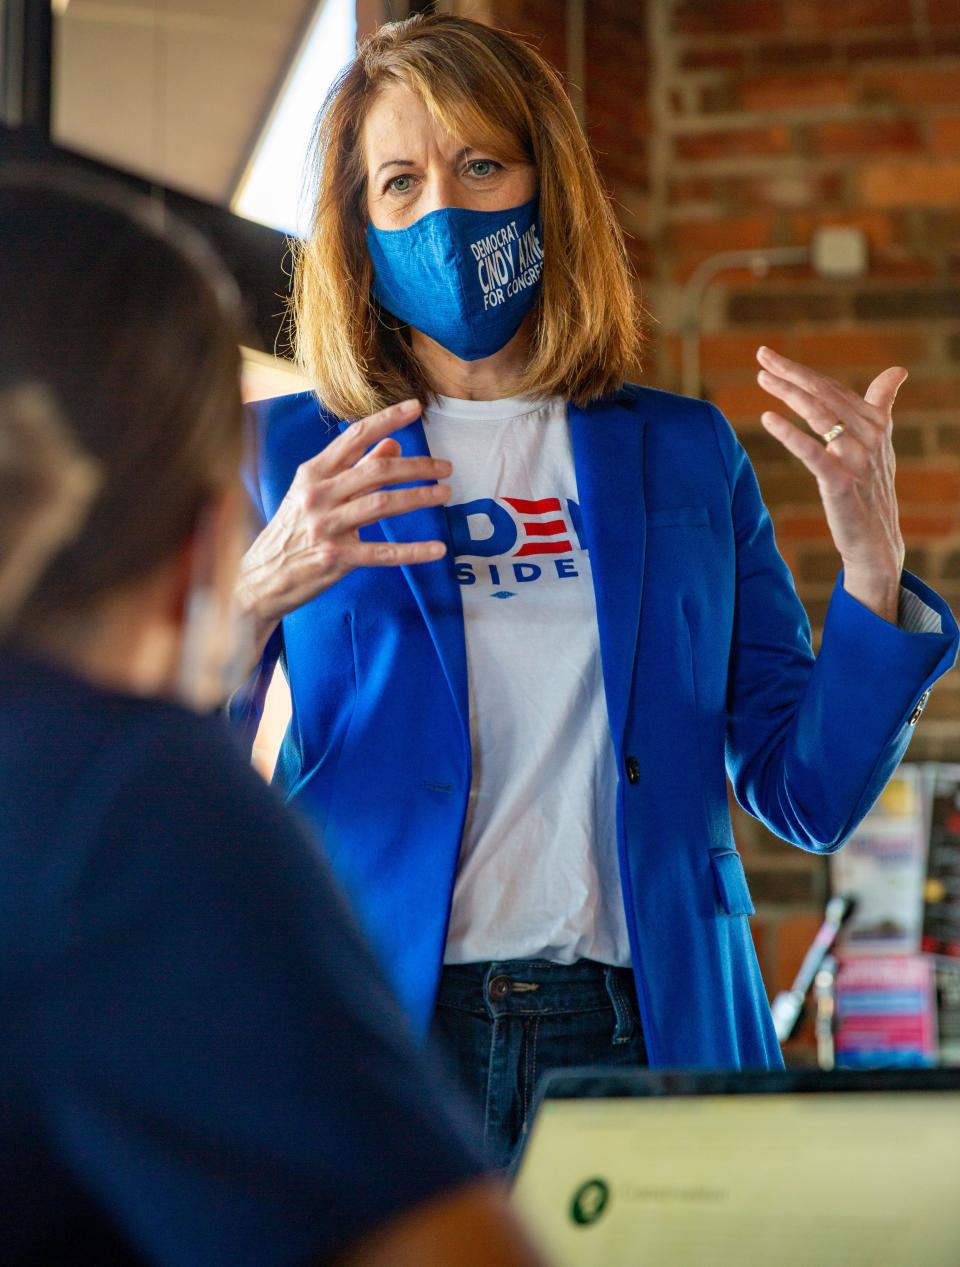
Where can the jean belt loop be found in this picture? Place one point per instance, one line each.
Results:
(491, 974)
(622, 1011)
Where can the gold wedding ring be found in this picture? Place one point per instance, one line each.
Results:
(831, 435)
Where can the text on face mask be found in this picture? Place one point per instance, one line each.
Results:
(507, 262)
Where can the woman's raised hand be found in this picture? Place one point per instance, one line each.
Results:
(313, 539)
(854, 468)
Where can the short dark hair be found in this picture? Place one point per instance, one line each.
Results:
(129, 322)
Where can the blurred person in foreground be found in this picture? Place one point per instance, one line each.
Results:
(200, 1062)
(524, 634)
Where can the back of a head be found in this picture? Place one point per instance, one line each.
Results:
(127, 326)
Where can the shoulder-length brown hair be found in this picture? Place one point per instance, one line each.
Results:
(487, 88)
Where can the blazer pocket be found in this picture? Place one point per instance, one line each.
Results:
(731, 882)
(679, 517)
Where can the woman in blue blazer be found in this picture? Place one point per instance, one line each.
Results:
(528, 624)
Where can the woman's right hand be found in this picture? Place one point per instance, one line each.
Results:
(313, 539)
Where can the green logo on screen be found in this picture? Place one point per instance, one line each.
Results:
(589, 1201)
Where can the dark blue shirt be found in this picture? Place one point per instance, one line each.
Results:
(200, 1063)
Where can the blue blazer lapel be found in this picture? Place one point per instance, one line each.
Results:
(608, 444)
(434, 585)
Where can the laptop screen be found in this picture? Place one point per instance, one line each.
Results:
(653, 1170)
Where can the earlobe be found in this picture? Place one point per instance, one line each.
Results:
(181, 582)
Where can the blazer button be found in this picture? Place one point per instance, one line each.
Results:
(921, 705)
(633, 770)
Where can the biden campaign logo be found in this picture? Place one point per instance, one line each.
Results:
(514, 541)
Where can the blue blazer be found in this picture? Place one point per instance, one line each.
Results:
(707, 669)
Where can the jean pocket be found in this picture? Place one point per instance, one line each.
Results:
(731, 882)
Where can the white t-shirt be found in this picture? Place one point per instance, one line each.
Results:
(538, 874)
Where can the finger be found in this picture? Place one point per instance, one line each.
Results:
(350, 446)
(820, 415)
(882, 392)
(815, 456)
(393, 554)
(386, 449)
(818, 385)
(376, 506)
(377, 472)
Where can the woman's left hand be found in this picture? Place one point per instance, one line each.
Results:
(854, 471)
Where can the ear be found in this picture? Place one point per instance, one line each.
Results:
(211, 554)
(181, 581)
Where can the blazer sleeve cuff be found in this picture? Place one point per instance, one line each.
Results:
(901, 662)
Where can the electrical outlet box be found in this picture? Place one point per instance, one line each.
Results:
(839, 251)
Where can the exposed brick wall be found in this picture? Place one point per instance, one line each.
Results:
(730, 124)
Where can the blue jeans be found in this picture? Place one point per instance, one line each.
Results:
(501, 1025)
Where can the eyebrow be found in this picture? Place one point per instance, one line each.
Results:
(396, 162)
(408, 162)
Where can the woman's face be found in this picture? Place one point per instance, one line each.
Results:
(413, 168)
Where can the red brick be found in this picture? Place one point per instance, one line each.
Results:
(928, 525)
(763, 932)
(607, 43)
(866, 136)
(783, 93)
(735, 143)
(902, 48)
(913, 85)
(693, 189)
(945, 133)
(895, 265)
(736, 351)
(847, 346)
(919, 395)
(625, 98)
(745, 400)
(818, 568)
(924, 183)
(734, 233)
(801, 527)
(626, 174)
(794, 935)
(784, 307)
(911, 303)
(793, 53)
(929, 485)
(725, 17)
(712, 58)
(765, 452)
(840, 15)
(944, 703)
(943, 12)
(792, 485)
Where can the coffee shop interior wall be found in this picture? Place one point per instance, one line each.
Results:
(747, 124)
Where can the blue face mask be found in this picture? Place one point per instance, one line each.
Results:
(465, 278)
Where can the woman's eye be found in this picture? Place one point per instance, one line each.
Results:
(482, 167)
(401, 184)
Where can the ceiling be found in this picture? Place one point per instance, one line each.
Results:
(172, 90)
